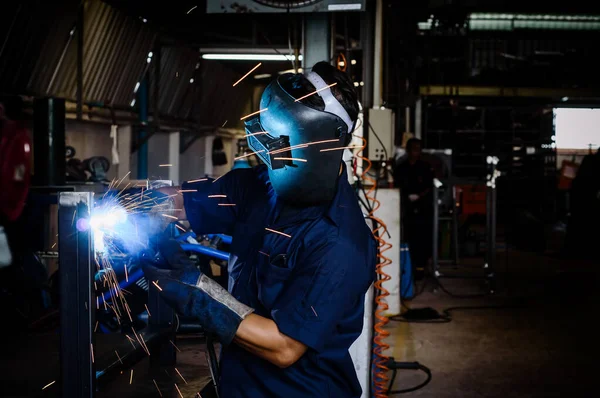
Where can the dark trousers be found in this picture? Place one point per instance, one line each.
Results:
(418, 234)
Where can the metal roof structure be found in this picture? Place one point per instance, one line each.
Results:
(38, 57)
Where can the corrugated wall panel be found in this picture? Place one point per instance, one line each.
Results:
(33, 36)
(202, 90)
(39, 56)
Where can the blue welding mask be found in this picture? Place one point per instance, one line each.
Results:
(301, 146)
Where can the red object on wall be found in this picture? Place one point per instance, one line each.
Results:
(568, 171)
(15, 169)
(471, 198)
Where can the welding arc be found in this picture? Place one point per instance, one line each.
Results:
(380, 378)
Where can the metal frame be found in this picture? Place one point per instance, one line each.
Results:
(76, 273)
(490, 256)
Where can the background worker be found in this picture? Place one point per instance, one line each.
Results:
(302, 256)
(414, 177)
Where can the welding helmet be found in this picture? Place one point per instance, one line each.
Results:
(301, 146)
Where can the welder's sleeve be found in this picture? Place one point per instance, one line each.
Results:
(325, 286)
(214, 205)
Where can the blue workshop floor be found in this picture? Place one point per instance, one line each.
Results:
(546, 347)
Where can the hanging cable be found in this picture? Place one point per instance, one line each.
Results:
(380, 361)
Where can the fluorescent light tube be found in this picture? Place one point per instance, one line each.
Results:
(251, 57)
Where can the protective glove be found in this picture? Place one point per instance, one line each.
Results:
(193, 294)
(413, 197)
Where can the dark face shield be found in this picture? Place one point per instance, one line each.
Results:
(301, 146)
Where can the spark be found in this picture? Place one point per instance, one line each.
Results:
(181, 228)
(343, 147)
(216, 179)
(289, 148)
(177, 348)
(141, 341)
(169, 216)
(147, 309)
(253, 113)
(258, 133)
(131, 376)
(223, 125)
(217, 196)
(192, 9)
(322, 142)
(92, 351)
(226, 204)
(122, 179)
(311, 307)
(264, 253)
(178, 390)
(74, 214)
(292, 159)
(131, 341)
(53, 245)
(277, 232)
(48, 385)
(118, 357)
(157, 387)
(165, 165)
(97, 303)
(126, 275)
(187, 190)
(156, 284)
(96, 327)
(180, 375)
(316, 91)
(246, 75)
(198, 180)
(248, 154)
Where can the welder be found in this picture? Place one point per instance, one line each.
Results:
(302, 256)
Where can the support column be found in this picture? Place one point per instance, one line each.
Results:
(377, 63)
(174, 141)
(77, 301)
(316, 46)
(418, 117)
(142, 153)
(80, 42)
(124, 148)
(49, 141)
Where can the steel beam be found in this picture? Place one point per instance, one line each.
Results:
(77, 301)
(144, 135)
(161, 319)
(80, 45)
(485, 91)
(317, 40)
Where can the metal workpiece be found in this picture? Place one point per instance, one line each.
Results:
(163, 353)
(76, 273)
(488, 266)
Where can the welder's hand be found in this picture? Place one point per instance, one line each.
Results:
(193, 294)
(413, 197)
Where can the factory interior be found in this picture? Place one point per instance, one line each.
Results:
(474, 160)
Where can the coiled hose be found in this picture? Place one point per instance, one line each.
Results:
(380, 361)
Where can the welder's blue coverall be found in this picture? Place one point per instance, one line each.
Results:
(311, 284)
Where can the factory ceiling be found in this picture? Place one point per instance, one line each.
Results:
(38, 57)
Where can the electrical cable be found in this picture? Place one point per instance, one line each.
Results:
(379, 377)
(408, 365)
(445, 316)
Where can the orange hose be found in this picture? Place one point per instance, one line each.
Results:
(380, 378)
